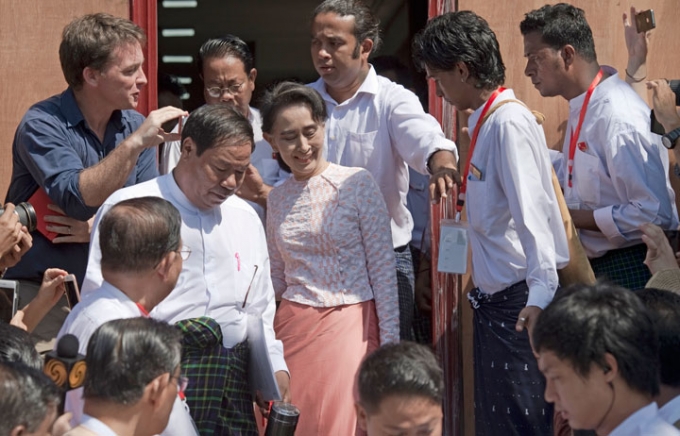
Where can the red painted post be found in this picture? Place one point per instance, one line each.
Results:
(144, 14)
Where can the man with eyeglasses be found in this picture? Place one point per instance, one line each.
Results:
(141, 259)
(227, 69)
(226, 280)
(131, 389)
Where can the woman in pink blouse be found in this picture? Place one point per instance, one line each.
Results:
(332, 264)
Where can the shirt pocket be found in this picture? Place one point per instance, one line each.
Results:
(587, 178)
(476, 199)
(359, 149)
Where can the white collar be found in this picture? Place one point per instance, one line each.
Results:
(630, 424)
(670, 412)
(96, 426)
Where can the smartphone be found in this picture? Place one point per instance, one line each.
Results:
(72, 292)
(645, 21)
(673, 239)
(9, 299)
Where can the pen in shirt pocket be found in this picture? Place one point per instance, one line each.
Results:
(250, 285)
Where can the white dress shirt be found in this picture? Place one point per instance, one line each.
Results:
(262, 159)
(96, 426)
(516, 230)
(382, 128)
(227, 243)
(619, 171)
(670, 412)
(97, 307)
(645, 422)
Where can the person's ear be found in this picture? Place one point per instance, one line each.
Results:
(165, 265)
(19, 430)
(366, 47)
(187, 148)
(611, 368)
(154, 390)
(463, 70)
(91, 76)
(362, 416)
(252, 75)
(568, 53)
(270, 139)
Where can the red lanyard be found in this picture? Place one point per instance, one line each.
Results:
(463, 186)
(144, 312)
(575, 133)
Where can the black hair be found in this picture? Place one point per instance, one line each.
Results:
(170, 83)
(665, 309)
(559, 25)
(137, 233)
(366, 25)
(584, 322)
(461, 37)
(27, 397)
(228, 45)
(402, 369)
(16, 346)
(213, 125)
(125, 355)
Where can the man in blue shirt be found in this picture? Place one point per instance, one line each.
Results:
(83, 144)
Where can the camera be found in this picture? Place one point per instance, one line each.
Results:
(656, 126)
(27, 216)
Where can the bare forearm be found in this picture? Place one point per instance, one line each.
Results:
(635, 76)
(584, 219)
(99, 181)
(34, 312)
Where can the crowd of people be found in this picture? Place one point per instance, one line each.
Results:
(269, 255)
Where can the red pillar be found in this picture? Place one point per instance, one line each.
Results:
(144, 14)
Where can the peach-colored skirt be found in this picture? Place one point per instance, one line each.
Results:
(323, 348)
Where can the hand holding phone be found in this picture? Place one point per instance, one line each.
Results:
(9, 299)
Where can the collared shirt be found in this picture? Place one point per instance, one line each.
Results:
(262, 159)
(96, 426)
(228, 253)
(645, 422)
(516, 230)
(52, 145)
(670, 412)
(619, 171)
(330, 244)
(97, 307)
(382, 128)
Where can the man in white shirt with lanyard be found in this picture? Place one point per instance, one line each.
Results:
(133, 377)
(515, 227)
(599, 351)
(142, 258)
(226, 281)
(611, 167)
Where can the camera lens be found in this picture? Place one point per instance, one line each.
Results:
(27, 215)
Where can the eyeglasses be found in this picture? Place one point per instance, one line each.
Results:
(184, 252)
(182, 383)
(217, 91)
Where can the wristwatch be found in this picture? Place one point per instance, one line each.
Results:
(669, 139)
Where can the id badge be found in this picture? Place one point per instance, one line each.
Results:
(453, 247)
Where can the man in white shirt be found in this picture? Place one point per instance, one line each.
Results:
(226, 281)
(515, 227)
(375, 124)
(665, 309)
(133, 378)
(141, 259)
(228, 72)
(611, 167)
(599, 351)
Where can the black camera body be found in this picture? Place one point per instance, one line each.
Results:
(26, 213)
